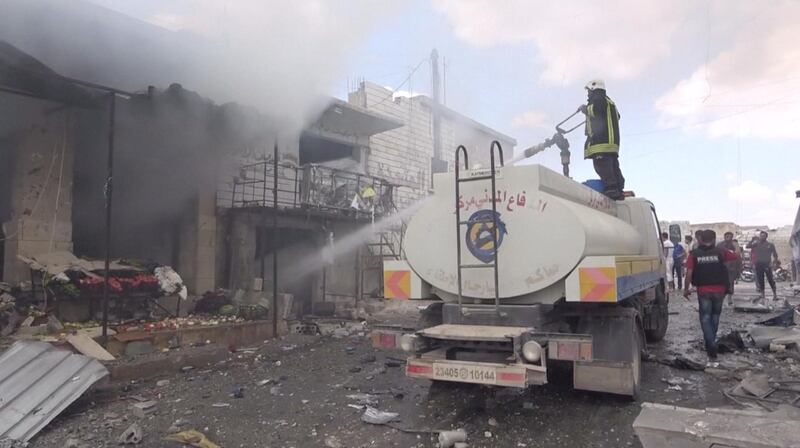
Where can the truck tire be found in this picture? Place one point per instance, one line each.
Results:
(658, 316)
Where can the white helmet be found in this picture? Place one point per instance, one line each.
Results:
(595, 84)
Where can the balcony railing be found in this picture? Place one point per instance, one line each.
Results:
(312, 186)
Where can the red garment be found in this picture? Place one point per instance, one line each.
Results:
(727, 255)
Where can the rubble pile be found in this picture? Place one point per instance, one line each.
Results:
(176, 323)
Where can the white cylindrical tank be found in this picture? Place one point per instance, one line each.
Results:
(547, 224)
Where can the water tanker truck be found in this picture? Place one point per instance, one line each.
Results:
(533, 269)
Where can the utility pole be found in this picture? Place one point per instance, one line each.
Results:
(437, 164)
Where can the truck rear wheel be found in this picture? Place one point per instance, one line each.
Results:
(658, 317)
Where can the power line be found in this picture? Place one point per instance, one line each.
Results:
(408, 78)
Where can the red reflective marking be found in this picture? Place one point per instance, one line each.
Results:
(388, 340)
(419, 369)
(512, 377)
(568, 351)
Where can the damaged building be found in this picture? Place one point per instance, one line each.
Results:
(196, 184)
(192, 188)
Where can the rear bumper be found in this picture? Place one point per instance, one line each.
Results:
(508, 375)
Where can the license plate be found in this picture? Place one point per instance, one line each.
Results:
(465, 374)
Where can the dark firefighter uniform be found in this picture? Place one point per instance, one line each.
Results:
(602, 139)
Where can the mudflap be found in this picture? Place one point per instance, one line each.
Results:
(655, 315)
(618, 340)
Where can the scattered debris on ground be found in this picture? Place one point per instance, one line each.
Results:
(661, 426)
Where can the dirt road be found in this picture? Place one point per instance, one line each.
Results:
(295, 394)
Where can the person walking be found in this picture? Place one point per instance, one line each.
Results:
(602, 138)
(734, 267)
(705, 269)
(679, 255)
(763, 252)
(669, 248)
(696, 241)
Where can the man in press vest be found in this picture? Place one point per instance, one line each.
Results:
(602, 138)
(705, 269)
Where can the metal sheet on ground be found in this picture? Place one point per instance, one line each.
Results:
(37, 382)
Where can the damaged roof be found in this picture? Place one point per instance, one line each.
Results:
(23, 74)
(344, 118)
(37, 382)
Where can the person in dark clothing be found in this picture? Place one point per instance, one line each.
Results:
(679, 254)
(734, 267)
(763, 252)
(602, 138)
(706, 270)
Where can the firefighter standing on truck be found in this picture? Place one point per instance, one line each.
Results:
(602, 138)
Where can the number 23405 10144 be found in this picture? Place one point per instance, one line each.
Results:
(469, 374)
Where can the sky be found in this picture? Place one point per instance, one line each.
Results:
(709, 90)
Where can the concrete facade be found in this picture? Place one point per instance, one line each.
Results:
(37, 215)
(403, 155)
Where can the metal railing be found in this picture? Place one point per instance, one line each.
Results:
(312, 186)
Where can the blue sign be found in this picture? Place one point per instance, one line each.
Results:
(480, 235)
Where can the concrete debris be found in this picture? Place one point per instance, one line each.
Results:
(448, 439)
(364, 399)
(54, 325)
(144, 408)
(747, 305)
(340, 328)
(492, 421)
(757, 385)
(376, 417)
(263, 382)
(762, 336)
(661, 426)
(333, 442)
(162, 383)
(776, 348)
(131, 436)
(487, 434)
(177, 425)
(676, 380)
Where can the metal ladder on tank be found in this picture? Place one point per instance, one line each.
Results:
(492, 176)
